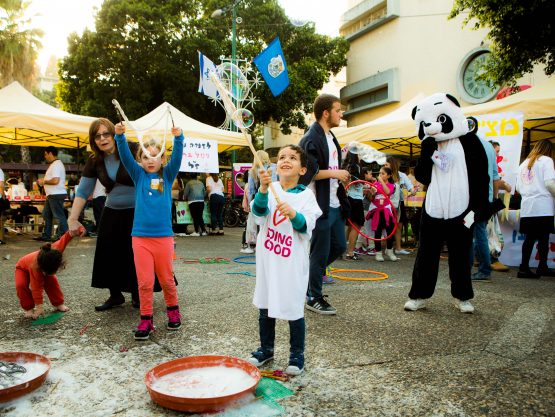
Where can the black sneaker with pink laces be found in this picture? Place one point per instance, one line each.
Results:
(145, 328)
(174, 318)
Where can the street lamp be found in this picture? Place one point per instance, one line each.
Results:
(216, 14)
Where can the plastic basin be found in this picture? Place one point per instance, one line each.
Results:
(15, 391)
(204, 404)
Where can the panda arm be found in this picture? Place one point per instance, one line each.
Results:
(423, 169)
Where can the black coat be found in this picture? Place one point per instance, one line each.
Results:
(315, 145)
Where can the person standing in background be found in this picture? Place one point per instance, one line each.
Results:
(54, 183)
(194, 195)
(325, 179)
(216, 199)
(536, 184)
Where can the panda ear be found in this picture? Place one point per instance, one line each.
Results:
(453, 99)
(414, 112)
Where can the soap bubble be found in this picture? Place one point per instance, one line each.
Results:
(243, 118)
(233, 80)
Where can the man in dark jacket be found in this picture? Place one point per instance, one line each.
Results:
(325, 179)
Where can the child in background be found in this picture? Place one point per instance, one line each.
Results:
(363, 245)
(152, 233)
(282, 264)
(382, 215)
(35, 273)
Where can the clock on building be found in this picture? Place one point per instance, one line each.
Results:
(471, 88)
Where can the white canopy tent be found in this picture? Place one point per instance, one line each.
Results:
(27, 121)
(157, 123)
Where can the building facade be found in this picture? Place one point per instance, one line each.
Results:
(400, 48)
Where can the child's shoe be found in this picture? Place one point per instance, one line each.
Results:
(260, 357)
(390, 255)
(145, 328)
(379, 256)
(296, 365)
(174, 318)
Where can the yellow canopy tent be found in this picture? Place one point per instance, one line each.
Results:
(396, 134)
(156, 123)
(27, 121)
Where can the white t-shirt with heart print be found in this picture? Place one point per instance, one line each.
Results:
(282, 264)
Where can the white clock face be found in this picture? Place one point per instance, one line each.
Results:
(477, 89)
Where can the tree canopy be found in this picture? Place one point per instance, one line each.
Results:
(18, 46)
(145, 52)
(521, 33)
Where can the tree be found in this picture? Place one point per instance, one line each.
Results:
(521, 33)
(18, 47)
(144, 52)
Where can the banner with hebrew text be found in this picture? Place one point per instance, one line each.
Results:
(200, 156)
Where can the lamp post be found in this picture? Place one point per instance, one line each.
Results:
(216, 14)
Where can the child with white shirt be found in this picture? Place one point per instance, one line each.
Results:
(282, 255)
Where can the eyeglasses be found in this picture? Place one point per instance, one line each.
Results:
(104, 135)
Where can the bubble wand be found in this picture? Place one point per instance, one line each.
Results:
(234, 113)
(121, 115)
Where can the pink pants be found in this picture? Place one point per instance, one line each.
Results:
(51, 287)
(154, 255)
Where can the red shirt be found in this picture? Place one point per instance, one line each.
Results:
(28, 263)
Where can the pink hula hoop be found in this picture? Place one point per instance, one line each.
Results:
(354, 226)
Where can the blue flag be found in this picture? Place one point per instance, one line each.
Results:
(271, 64)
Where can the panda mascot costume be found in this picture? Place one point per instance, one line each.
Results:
(453, 164)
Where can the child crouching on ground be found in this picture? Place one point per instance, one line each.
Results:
(35, 273)
(152, 234)
(282, 263)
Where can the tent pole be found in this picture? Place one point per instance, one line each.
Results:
(78, 151)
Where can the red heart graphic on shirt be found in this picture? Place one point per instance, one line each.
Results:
(280, 220)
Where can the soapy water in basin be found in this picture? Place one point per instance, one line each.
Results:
(8, 378)
(207, 382)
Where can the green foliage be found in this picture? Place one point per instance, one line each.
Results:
(521, 34)
(18, 47)
(145, 52)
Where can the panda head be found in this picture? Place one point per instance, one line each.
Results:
(440, 116)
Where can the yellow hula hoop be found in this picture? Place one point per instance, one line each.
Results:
(380, 275)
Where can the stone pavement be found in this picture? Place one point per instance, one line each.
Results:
(372, 359)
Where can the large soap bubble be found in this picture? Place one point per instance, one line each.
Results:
(243, 118)
(233, 80)
(298, 22)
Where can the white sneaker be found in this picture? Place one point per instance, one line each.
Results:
(247, 250)
(413, 305)
(194, 234)
(390, 256)
(379, 256)
(402, 252)
(464, 306)
(204, 233)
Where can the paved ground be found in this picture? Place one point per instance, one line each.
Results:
(372, 359)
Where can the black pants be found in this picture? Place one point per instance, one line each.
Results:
(433, 234)
(197, 208)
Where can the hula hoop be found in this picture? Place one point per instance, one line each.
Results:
(209, 260)
(239, 261)
(380, 275)
(360, 232)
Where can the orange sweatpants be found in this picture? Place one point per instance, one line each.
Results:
(154, 255)
(23, 289)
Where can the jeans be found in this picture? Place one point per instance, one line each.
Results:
(54, 208)
(217, 202)
(481, 248)
(327, 244)
(267, 328)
